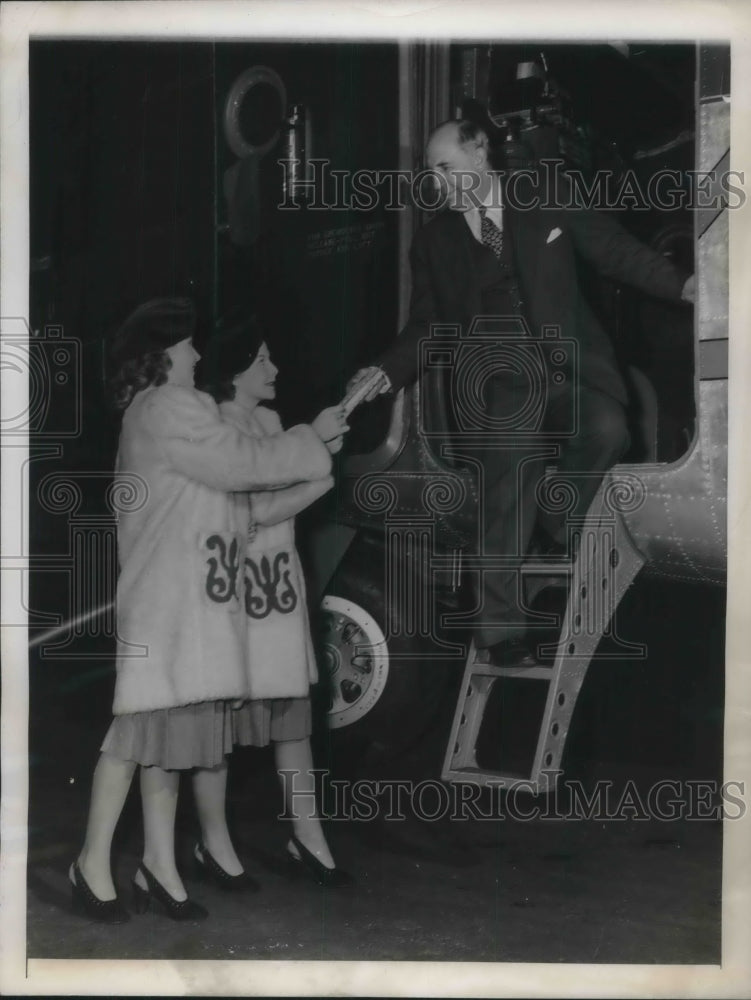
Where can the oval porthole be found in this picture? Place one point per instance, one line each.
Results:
(253, 111)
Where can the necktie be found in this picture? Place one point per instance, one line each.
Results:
(491, 235)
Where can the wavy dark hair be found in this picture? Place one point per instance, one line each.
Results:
(226, 355)
(219, 386)
(137, 348)
(136, 374)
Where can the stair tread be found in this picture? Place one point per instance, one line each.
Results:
(493, 670)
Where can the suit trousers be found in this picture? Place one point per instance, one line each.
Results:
(582, 441)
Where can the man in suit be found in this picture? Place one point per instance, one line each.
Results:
(489, 254)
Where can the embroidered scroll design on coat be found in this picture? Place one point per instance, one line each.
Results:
(269, 586)
(221, 580)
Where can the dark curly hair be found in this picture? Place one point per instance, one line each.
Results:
(136, 374)
(227, 354)
(137, 348)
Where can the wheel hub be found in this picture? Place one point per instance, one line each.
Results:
(355, 659)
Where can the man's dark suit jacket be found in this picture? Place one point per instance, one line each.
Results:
(446, 289)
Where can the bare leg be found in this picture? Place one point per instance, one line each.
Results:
(109, 789)
(296, 756)
(159, 797)
(210, 789)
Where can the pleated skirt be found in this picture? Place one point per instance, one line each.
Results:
(201, 735)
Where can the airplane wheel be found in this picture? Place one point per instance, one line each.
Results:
(382, 693)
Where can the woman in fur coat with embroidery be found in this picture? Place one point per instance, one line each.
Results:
(180, 623)
(237, 371)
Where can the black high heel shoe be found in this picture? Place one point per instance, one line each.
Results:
(85, 903)
(208, 868)
(175, 909)
(330, 878)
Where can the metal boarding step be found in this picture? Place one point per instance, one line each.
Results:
(606, 565)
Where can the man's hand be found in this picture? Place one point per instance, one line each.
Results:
(381, 386)
(689, 289)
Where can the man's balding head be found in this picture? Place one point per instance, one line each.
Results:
(457, 151)
(462, 131)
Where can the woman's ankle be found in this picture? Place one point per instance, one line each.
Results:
(165, 873)
(223, 852)
(97, 875)
(311, 836)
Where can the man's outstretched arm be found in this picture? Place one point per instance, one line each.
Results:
(399, 363)
(617, 254)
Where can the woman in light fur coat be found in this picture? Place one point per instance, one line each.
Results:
(237, 371)
(180, 625)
